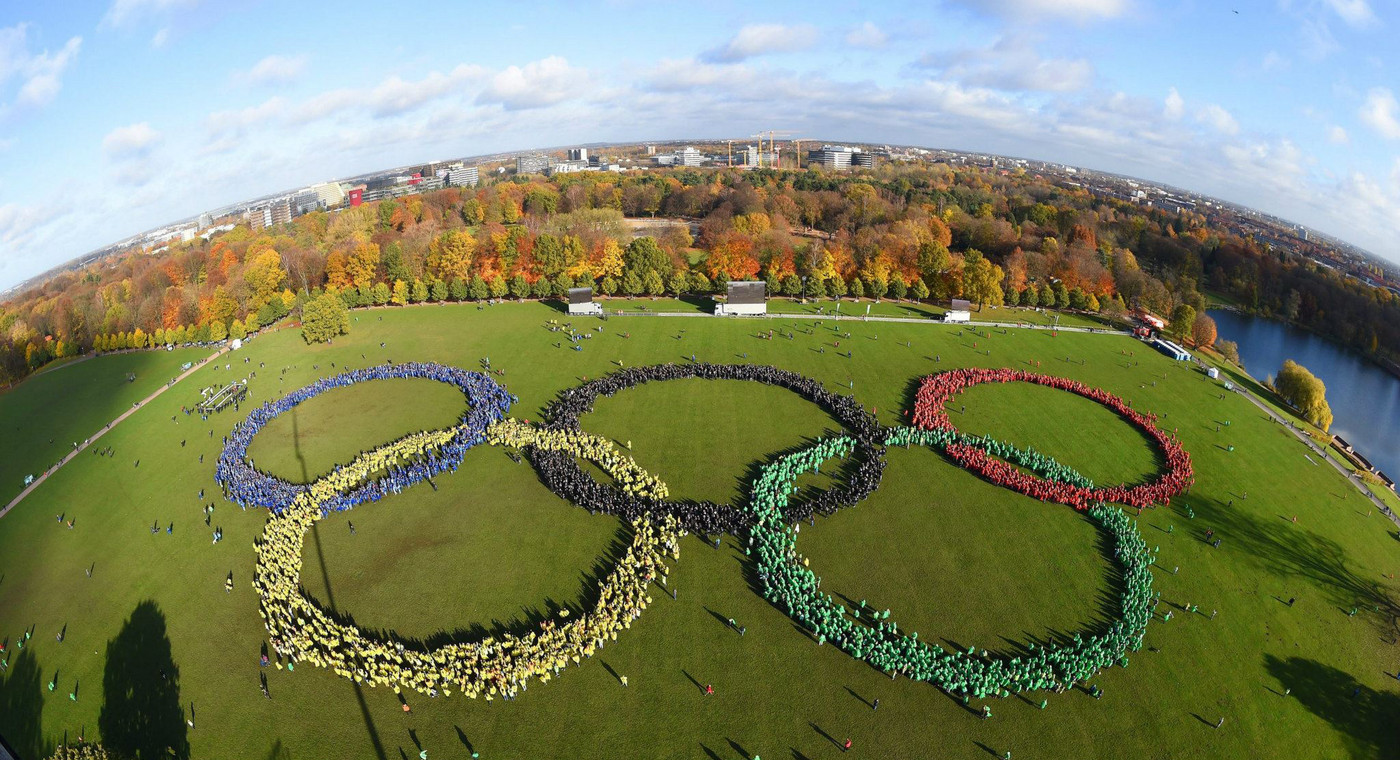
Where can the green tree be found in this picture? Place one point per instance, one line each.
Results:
(562, 283)
(898, 288)
(1230, 350)
(542, 288)
(1061, 296)
(876, 288)
(478, 290)
(919, 289)
(458, 289)
(1301, 388)
(380, 293)
(237, 331)
(419, 293)
(791, 286)
(498, 287)
(644, 255)
(394, 264)
(701, 283)
(632, 285)
(679, 283)
(217, 331)
(323, 318)
(439, 291)
(653, 283)
(1183, 317)
(815, 287)
(608, 286)
(836, 286)
(519, 286)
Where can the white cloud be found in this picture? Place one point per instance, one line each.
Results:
(273, 70)
(40, 75)
(1356, 13)
(1219, 119)
(125, 11)
(1012, 63)
(1078, 10)
(1338, 136)
(536, 84)
(1174, 106)
(1273, 62)
(130, 141)
(161, 37)
(676, 75)
(868, 36)
(760, 39)
(1381, 113)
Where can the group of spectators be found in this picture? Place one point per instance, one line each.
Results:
(246, 485)
(930, 414)
(870, 635)
(499, 666)
(563, 475)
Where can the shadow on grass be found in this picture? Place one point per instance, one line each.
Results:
(1368, 719)
(1294, 554)
(141, 713)
(22, 707)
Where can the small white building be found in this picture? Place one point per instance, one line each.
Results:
(960, 313)
(581, 303)
(744, 299)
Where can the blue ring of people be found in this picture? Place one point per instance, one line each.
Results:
(871, 636)
(245, 485)
(562, 474)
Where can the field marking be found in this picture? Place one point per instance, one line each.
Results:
(90, 439)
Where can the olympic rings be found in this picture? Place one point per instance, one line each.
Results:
(243, 484)
(561, 474)
(929, 414)
(503, 665)
(871, 637)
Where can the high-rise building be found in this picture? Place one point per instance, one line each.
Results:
(688, 156)
(535, 163)
(832, 156)
(863, 159)
(281, 212)
(206, 220)
(578, 154)
(329, 194)
(463, 176)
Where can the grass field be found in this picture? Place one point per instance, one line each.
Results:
(490, 549)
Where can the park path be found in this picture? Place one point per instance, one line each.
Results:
(1310, 443)
(93, 438)
(866, 318)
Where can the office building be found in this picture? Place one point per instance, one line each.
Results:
(578, 154)
(463, 176)
(536, 163)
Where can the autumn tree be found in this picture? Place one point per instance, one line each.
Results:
(981, 279)
(450, 254)
(1301, 388)
(1183, 320)
(362, 264)
(1203, 330)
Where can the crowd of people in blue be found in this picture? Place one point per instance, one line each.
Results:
(244, 484)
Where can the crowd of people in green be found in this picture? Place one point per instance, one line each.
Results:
(871, 635)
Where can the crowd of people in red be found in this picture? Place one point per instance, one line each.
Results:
(930, 414)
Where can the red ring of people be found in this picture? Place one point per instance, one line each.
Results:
(929, 414)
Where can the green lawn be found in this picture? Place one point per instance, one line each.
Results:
(490, 549)
(42, 417)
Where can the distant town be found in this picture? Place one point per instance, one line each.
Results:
(775, 153)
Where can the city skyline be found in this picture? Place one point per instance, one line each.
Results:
(120, 117)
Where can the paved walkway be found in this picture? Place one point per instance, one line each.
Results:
(92, 439)
(864, 318)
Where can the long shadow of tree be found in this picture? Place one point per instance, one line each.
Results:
(1368, 719)
(1288, 552)
(21, 707)
(141, 715)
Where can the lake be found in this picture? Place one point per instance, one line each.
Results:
(1365, 399)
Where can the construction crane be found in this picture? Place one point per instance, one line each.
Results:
(773, 146)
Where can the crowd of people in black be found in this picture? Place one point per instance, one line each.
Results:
(244, 484)
(562, 474)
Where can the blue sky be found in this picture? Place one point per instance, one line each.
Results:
(120, 115)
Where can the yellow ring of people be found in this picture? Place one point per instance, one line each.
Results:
(497, 666)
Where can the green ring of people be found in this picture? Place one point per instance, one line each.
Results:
(870, 635)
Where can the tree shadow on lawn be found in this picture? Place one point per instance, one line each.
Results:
(590, 584)
(22, 706)
(141, 712)
(1289, 552)
(1368, 719)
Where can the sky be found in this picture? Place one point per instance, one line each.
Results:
(118, 116)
